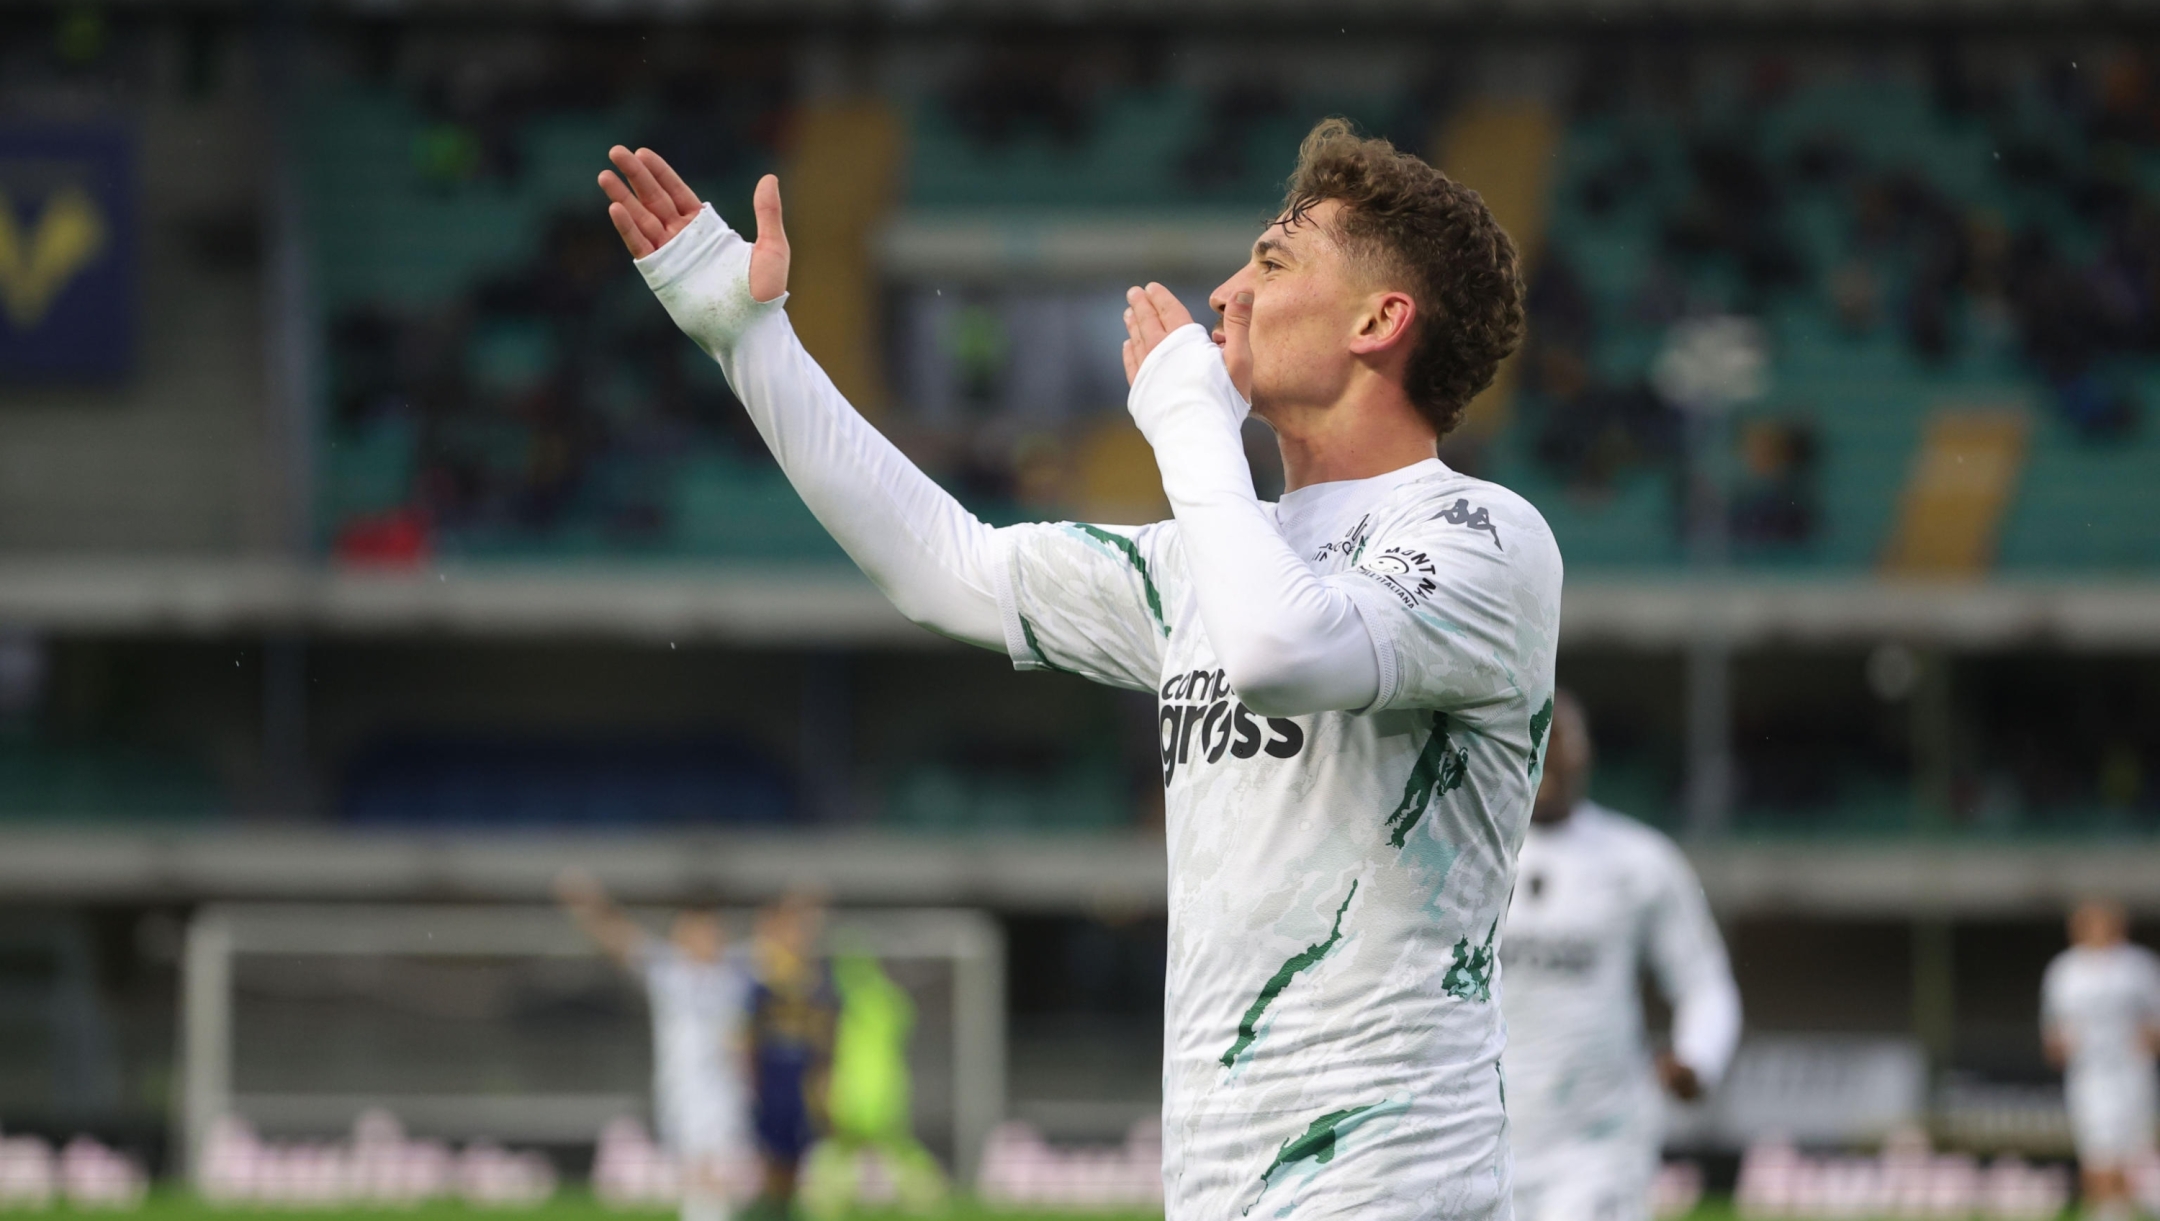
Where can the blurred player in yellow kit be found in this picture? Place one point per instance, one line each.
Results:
(792, 1012)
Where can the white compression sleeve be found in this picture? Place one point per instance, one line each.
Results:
(1290, 644)
(1695, 974)
(933, 558)
(1706, 1026)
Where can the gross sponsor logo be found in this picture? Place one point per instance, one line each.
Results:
(1202, 721)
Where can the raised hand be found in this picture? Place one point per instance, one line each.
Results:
(1151, 313)
(576, 887)
(655, 204)
(1678, 1079)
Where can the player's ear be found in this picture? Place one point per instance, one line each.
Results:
(1386, 322)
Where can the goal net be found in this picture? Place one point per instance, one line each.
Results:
(504, 1024)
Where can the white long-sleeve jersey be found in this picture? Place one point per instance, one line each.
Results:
(1337, 878)
(2102, 1003)
(1598, 897)
(700, 1016)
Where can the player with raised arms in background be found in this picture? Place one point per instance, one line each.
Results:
(1354, 683)
(699, 994)
(1599, 896)
(2100, 1024)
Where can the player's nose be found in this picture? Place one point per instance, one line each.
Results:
(1219, 300)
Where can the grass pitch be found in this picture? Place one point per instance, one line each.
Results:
(167, 1205)
(172, 1205)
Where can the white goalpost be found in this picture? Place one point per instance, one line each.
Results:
(504, 1023)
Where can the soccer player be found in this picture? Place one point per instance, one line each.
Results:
(2100, 1024)
(792, 1011)
(1599, 896)
(699, 995)
(1354, 683)
(867, 1100)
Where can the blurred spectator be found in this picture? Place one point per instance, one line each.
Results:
(1018, 90)
(536, 404)
(1935, 260)
(1606, 187)
(1220, 156)
(1590, 431)
(399, 538)
(1855, 297)
(1735, 209)
(1777, 501)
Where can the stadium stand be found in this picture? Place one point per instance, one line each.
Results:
(1914, 238)
(496, 388)
(587, 783)
(1949, 250)
(103, 782)
(1915, 232)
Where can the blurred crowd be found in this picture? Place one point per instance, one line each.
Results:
(543, 400)
(2049, 250)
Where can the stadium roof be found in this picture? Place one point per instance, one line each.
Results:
(1881, 878)
(832, 605)
(1342, 13)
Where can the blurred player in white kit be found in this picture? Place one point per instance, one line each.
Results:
(1597, 897)
(700, 999)
(2100, 1023)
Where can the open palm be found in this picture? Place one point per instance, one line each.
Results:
(650, 204)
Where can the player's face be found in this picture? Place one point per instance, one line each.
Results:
(699, 936)
(1307, 299)
(2097, 924)
(1567, 766)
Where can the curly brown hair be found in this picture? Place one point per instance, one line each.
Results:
(1415, 228)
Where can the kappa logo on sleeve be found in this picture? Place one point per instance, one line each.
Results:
(1461, 514)
(1407, 572)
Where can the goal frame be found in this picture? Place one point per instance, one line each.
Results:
(971, 941)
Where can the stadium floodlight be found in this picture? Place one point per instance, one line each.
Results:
(502, 1022)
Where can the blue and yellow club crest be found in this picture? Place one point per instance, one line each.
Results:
(67, 270)
(37, 261)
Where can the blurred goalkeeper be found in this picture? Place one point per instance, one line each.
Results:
(699, 994)
(1599, 896)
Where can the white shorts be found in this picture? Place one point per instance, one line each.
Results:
(1586, 1180)
(702, 1124)
(2111, 1115)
